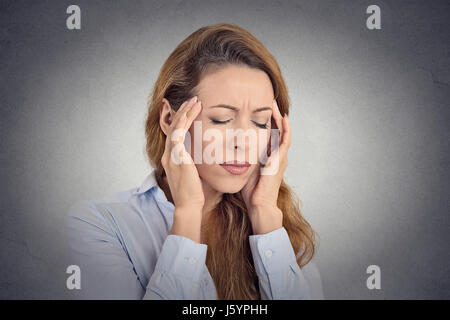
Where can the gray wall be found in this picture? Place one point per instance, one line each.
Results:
(369, 157)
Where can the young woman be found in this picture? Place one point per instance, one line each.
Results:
(199, 229)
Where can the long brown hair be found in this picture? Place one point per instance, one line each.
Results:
(229, 258)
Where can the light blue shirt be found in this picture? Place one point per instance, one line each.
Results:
(124, 250)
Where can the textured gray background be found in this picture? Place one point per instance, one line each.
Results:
(369, 157)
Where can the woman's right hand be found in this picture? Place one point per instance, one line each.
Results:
(182, 175)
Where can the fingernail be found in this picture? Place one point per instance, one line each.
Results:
(194, 99)
(197, 105)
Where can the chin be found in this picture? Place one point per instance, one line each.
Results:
(229, 187)
(228, 183)
(222, 180)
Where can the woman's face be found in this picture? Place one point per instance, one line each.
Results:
(248, 95)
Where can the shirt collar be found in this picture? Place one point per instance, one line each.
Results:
(148, 183)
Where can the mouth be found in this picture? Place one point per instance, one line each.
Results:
(235, 167)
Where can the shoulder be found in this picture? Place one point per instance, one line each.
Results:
(88, 217)
(124, 216)
(98, 215)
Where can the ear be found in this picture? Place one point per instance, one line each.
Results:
(165, 115)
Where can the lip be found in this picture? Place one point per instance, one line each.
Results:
(235, 167)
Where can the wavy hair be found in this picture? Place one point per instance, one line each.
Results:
(229, 258)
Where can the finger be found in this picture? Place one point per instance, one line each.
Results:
(175, 142)
(185, 119)
(278, 119)
(281, 150)
(178, 123)
(184, 107)
(192, 114)
(189, 103)
(184, 104)
(272, 165)
(287, 134)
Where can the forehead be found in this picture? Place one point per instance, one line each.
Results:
(239, 86)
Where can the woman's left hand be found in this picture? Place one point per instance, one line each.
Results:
(261, 191)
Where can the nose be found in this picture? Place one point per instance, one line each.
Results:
(243, 141)
(238, 149)
(241, 126)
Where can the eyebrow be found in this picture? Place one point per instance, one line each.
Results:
(236, 109)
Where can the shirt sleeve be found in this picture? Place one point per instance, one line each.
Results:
(179, 271)
(107, 271)
(280, 277)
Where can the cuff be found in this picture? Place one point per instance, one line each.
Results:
(182, 257)
(272, 252)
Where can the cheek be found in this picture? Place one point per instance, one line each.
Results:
(213, 141)
(201, 147)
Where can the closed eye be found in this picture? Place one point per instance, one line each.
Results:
(220, 122)
(260, 125)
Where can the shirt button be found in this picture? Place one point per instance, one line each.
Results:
(191, 260)
(268, 253)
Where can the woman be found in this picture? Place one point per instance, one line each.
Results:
(204, 229)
